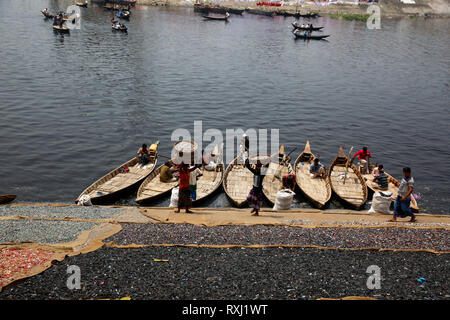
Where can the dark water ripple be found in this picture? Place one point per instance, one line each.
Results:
(73, 107)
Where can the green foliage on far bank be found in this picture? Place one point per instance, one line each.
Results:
(350, 17)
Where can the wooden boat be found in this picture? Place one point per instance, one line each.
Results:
(347, 182)
(7, 198)
(225, 18)
(216, 9)
(152, 188)
(392, 187)
(237, 182)
(122, 2)
(210, 181)
(118, 180)
(117, 27)
(82, 4)
(62, 29)
(298, 27)
(47, 14)
(116, 7)
(261, 12)
(273, 182)
(310, 37)
(123, 14)
(234, 11)
(317, 190)
(307, 15)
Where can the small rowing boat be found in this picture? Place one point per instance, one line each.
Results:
(225, 18)
(62, 29)
(7, 198)
(273, 182)
(347, 182)
(307, 15)
(82, 4)
(210, 181)
(392, 187)
(238, 181)
(261, 12)
(317, 190)
(152, 187)
(47, 14)
(124, 14)
(119, 27)
(300, 35)
(124, 177)
(307, 28)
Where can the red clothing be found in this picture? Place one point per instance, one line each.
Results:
(184, 179)
(362, 155)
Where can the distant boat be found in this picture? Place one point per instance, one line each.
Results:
(119, 27)
(299, 27)
(123, 14)
(7, 198)
(216, 9)
(261, 12)
(82, 4)
(299, 35)
(62, 29)
(47, 14)
(225, 18)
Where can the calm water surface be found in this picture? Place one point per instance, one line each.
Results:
(74, 107)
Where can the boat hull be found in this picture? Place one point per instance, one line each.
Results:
(7, 198)
(316, 190)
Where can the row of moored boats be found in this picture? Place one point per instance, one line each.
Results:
(343, 179)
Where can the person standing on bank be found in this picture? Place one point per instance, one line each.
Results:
(255, 196)
(402, 202)
(184, 193)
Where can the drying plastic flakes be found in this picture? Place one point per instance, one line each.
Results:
(17, 263)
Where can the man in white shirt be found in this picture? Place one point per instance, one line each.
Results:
(402, 203)
(193, 182)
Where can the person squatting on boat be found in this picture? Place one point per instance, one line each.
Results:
(143, 156)
(381, 180)
(209, 161)
(402, 202)
(317, 169)
(166, 174)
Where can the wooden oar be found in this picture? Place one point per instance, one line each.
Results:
(348, 162)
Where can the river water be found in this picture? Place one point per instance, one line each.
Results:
(74, 107)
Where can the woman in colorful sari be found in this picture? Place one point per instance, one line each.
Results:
(184, 194)
(255, 196)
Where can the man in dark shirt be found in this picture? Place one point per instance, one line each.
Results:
(381, 180)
